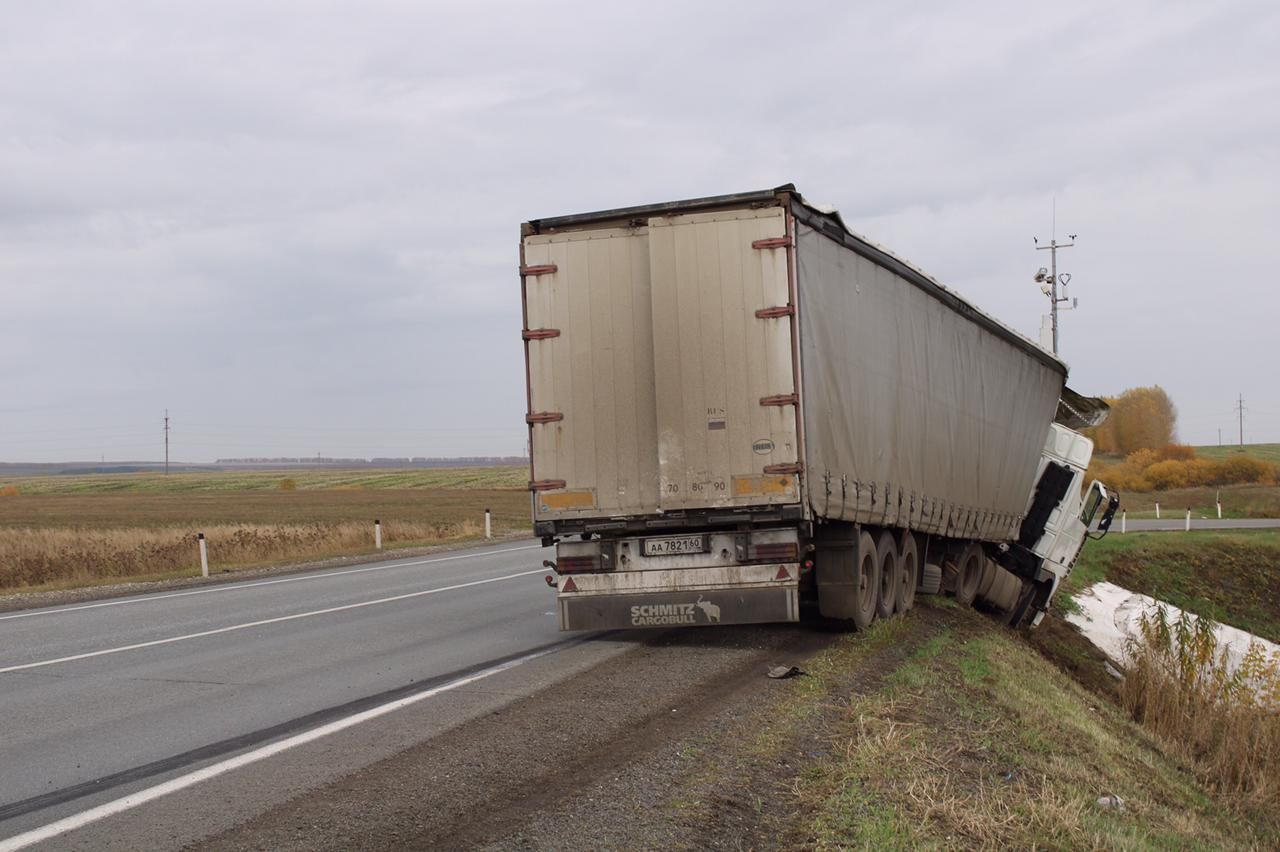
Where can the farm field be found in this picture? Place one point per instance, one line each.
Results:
(304, 480)
(1266, 452)
(58, 532)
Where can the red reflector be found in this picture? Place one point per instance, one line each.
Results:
(783, 573)
(569, 586)
(575, 564)
(787, 550)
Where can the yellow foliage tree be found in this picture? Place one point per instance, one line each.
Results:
(1141, 419)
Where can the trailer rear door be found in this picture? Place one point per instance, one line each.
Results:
(660, 362)
(726, 412)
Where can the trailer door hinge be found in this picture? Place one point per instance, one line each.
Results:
(797, 468)
(774, 313)
(540, 333)
(546, 484)
(772, 243)
(544, 417)
(540, 269)
(781, 399)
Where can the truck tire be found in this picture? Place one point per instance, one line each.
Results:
(989, 569)
(867, 582)
(908, 574)
(890, 580)
(969, 574)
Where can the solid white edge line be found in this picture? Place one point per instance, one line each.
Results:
(133, 800)
(214, 632)
(231, 587)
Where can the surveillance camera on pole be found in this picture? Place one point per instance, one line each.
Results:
(1049, 279)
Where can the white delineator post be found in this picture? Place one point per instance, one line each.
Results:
(488, 524)
(1218, 499)
(204, 555)
(1188, 526)
(377, 534)
(1157, 511)
(1123, 519)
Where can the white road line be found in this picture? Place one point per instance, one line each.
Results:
(133, 800)
(264, 621)
(231, 587)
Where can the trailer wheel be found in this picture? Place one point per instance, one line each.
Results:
(969, 574)
(890, 579)
(867, 588)
(908, 574)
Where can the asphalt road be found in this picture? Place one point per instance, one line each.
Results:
(109, 699)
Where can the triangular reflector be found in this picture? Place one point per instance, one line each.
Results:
(783, 573)
(569, 585)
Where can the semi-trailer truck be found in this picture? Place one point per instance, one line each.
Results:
(740, 411)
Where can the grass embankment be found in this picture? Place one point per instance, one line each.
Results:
(60, 533)
(947, 731)
(1231, 577)
(1238, 501)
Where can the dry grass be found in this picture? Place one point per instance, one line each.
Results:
(61, 556)
(91, 533)
(977, 742)
(1223, 718)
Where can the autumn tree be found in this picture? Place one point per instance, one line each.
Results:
(1141, 418)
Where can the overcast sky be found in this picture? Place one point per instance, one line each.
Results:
(295, 225)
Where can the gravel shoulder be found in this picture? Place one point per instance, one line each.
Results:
(682, 742)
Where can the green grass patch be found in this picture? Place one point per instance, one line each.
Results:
(925, 771)
(1266, 452)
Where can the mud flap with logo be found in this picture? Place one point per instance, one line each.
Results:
(680, 609)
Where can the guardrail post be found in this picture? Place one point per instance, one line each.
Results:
(204, 555)
(377, 534)
(488, 524)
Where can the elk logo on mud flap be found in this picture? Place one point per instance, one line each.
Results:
(656, 615)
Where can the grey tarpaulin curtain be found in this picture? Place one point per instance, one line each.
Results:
(914, 414)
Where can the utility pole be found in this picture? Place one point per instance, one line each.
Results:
(1049, 279)
(166, 442)
(1240, 410)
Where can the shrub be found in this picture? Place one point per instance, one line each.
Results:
(1225, 716)
(9, 491)
(288, 484)
(1176, 452)
(1231, 471)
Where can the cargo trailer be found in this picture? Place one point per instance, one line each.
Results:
(739, 410)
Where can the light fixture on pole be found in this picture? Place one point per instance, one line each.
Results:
(1050, 280)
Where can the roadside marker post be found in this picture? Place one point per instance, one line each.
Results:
(488, 524)
(204, 555)
(1188, 526)
(1157, 511)
(377, 534)
(1218, 499)
(1123, 520)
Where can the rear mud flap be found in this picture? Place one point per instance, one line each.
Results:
(680, 609)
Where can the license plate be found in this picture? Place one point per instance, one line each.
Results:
(675, 545)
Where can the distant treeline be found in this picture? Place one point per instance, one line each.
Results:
(403, 461)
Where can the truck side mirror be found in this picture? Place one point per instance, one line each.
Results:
(1104, 523)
